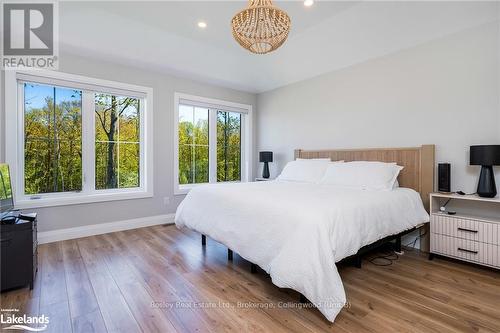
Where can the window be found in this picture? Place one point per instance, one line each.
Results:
(53, 139)
(193, 145)
(73, 139)
(117, 141)
(212, 142)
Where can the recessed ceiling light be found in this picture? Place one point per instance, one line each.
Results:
(202, 24)
(308, 3)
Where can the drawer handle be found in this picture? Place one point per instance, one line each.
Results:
(468, 251)
(468, 230)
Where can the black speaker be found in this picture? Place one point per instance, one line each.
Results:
(444, 177)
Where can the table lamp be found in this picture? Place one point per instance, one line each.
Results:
(486, 156)
(266, 157)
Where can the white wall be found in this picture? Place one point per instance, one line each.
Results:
(164, 87)
(444, 92)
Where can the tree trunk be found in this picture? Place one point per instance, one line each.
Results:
(55, 166)
(111, 180)
(48, 166)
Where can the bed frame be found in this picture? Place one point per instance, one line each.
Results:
(418, 174)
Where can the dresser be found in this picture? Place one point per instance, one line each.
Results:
(472, 234)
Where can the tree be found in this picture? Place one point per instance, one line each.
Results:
(228, 146)
(194, 146)
(110, 111)
(193, 151)
(52, 139)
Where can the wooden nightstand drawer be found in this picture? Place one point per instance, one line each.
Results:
(487, 254)
(465, 228)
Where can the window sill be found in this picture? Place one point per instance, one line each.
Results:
(79, 198)
(184, 189)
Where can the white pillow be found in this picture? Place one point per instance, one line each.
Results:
(366, 175)
(304, 171)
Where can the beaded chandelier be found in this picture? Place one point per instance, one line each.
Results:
(261, 27)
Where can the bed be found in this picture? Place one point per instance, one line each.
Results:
(296, 232)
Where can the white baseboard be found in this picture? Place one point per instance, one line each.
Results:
(102, 228)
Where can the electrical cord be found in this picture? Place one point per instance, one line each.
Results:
(385, 259)
(463, 193)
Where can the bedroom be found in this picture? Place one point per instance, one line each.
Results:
(341, 152)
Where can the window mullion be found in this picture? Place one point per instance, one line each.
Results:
(88, 142)
(244, 149)
(212, 145)
(19, 177)
(142, 146)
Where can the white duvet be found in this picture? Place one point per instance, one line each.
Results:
(297, 231)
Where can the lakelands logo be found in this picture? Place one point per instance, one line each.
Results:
(29, 35)
(24, 322)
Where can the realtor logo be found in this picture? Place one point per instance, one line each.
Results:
(22, 322)
(29, 35)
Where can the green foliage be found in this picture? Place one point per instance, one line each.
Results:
(194, 146)
(53, 140)
(117, 141)
(5, 183)
(228, 146)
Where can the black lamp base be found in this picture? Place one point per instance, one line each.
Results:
(486, 187)
(265, 171)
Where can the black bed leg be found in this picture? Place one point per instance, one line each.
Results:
(398, 244)
(302, 299)
(253, 268)
(357, 261)
(431, 256)
(229, 254)
(203, 240)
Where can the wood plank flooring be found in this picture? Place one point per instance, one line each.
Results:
(160, 279)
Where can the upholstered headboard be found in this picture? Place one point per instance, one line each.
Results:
(418, 163)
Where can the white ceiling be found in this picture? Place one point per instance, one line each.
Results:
(330, 35)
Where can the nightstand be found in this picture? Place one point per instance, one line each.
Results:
(260, 179)
(472, 234)
(19, 253)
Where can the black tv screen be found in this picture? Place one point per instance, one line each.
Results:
(6, 201)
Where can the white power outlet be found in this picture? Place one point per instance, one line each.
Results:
(166, 201)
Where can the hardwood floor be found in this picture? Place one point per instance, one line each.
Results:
(149, 280)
